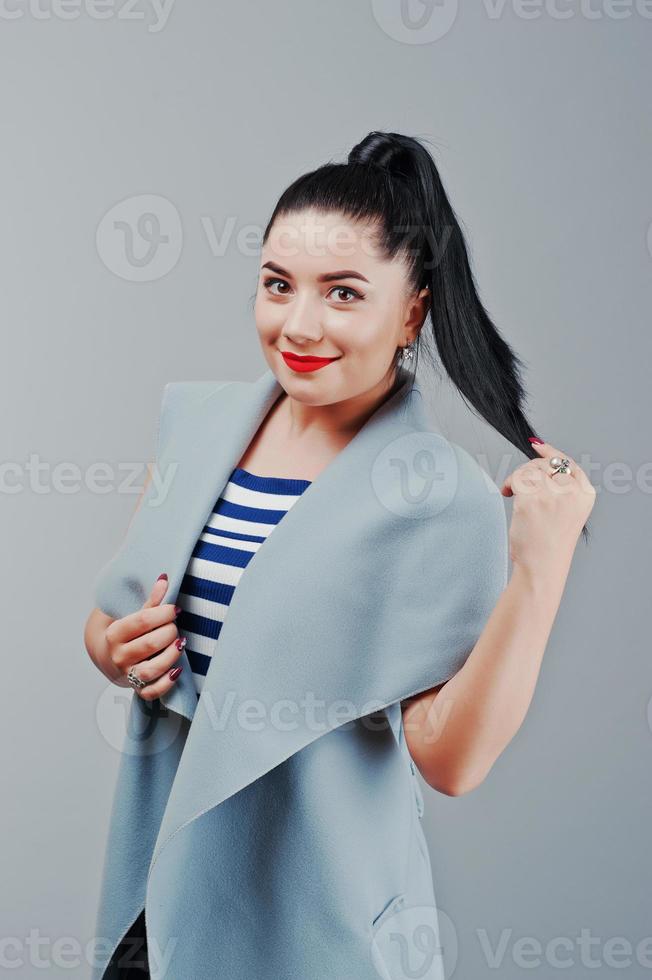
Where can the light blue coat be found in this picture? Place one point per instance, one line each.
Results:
(279, 834)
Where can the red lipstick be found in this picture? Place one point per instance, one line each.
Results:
(305, 362)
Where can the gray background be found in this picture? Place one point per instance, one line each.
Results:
(541, 128)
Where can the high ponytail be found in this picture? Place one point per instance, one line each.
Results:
(392, 179)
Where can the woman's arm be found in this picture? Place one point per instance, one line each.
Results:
(456, 731)
(98, 621)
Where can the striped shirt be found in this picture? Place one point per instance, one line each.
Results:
(246, 513)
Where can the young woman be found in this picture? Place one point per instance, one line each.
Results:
(297, 851)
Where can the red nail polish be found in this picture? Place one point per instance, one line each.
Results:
(177, 610)
(180, 642)
(163, 575)
(175, 673)
(539, 442)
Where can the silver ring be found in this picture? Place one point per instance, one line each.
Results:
(559, 464)
(135, 680)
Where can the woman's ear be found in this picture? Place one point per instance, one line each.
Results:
(417, 311)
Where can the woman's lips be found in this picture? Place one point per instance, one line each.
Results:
(306, 362)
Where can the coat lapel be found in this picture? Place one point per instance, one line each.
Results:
(224, 425)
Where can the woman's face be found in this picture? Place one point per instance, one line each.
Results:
(325, 292)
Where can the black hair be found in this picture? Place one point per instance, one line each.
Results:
(391, 181)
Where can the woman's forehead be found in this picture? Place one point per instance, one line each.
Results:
(321, 237)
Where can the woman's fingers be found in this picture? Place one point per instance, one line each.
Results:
(156, 671)
(547, 452)
(159, 687)
(148, 642)
(530, 473)
(148, 617)
(577, 473)
(140, 622)
(158, 591)
(145, 647)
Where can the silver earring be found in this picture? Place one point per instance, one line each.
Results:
(407, 353)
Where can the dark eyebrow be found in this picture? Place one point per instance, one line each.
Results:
(327, 277)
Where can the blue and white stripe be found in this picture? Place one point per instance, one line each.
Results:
(246, 513)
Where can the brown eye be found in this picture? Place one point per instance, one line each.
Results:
(345, 289)
(271, 282)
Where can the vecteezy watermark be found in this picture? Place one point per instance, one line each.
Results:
(417, 475)
(149, 726)
(66, 477)
(140, 238)
(422, 467)
(566, 952)
(569, 9)
(316, 238)
(426, 21)
(156, 12)
(139, 732)
(44, 952)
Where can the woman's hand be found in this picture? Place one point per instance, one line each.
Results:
(150, 639)
(549, 510)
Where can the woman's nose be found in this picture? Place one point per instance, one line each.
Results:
(302, 323)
